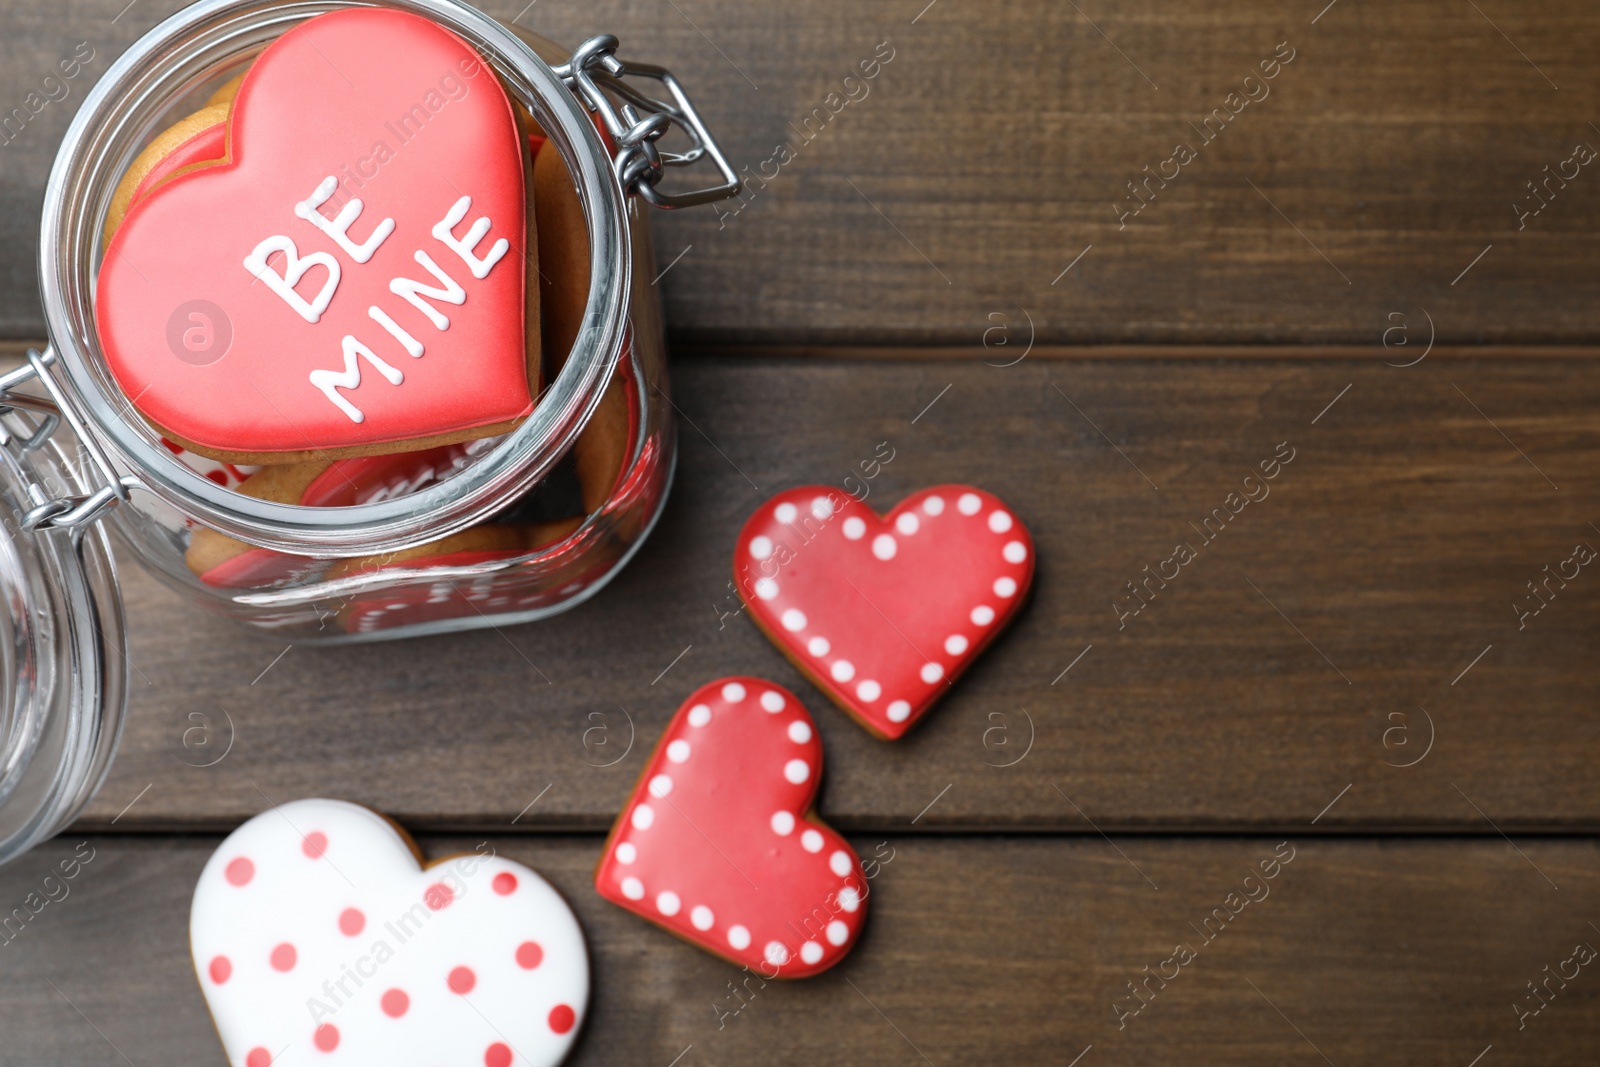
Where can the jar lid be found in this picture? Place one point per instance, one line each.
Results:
(63, 649)
(120, 114)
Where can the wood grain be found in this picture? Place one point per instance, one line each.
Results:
(966, 212)
(996, 146)
(1303, 651)
(998, 951)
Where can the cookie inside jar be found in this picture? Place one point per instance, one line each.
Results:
(406, 268)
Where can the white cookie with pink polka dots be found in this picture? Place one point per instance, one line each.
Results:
(318, 938)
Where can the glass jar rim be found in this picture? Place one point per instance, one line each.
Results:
(117, 113)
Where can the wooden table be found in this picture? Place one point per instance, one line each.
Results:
(954, 264)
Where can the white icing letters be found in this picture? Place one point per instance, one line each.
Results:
(419, 295)
(398, 332)
(464, 247)
(330, 381)
(415, 291)
(339, 227)
(294, 268)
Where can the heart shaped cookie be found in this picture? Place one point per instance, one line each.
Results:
(718, 844)
(224, 562)
(318, 937)
(883, 614)
(351, 279)
(456, 595)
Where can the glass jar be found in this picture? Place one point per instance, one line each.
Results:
(62, 685)
(453, 537)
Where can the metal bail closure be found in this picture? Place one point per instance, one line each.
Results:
(641, 120)
(60, 512)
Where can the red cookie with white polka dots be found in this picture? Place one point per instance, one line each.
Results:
(318, 937)
(718, 843)
(883, 614)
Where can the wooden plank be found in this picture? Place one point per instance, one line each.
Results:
(1008, 346)
(1015, 348)
(998, 144)
(1304, 651)
(998, 951)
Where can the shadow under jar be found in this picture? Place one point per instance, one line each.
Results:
(384, 546)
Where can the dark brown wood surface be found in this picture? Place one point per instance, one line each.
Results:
(1004, 950)
(996, 146)
(1306, 648)
(942, 267)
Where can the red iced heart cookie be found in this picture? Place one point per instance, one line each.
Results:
(717, 843)
(883, 614)
(226, 563)
(318, 938)
(351, 278)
